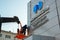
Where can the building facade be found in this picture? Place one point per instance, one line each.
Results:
(46, 20)
(5, 35)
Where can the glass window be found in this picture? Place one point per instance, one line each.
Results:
(7, 36)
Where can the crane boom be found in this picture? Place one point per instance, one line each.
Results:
(8, 19)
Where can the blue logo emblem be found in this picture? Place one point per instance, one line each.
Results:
(38, 7)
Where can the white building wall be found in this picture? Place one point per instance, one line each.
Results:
(12, 35)
(52, 27)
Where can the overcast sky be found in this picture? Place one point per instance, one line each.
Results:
(10, 8)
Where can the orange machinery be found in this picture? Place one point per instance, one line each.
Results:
(20, 32)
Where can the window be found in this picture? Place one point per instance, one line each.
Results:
(0, 35)
(7, 36)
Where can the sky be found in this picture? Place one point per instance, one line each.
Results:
(10, 8)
